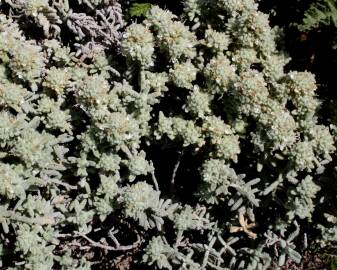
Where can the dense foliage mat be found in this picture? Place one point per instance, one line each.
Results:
(173, 142)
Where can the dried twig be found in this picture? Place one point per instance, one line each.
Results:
(110, 248)
(175, 169)
(155, 182)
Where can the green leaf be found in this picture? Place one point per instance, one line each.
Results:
(139, 9)
(323, 12)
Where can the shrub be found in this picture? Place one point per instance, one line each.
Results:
(76, 133)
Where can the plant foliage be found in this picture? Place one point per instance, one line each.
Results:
(322, 12)
(85, 97)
